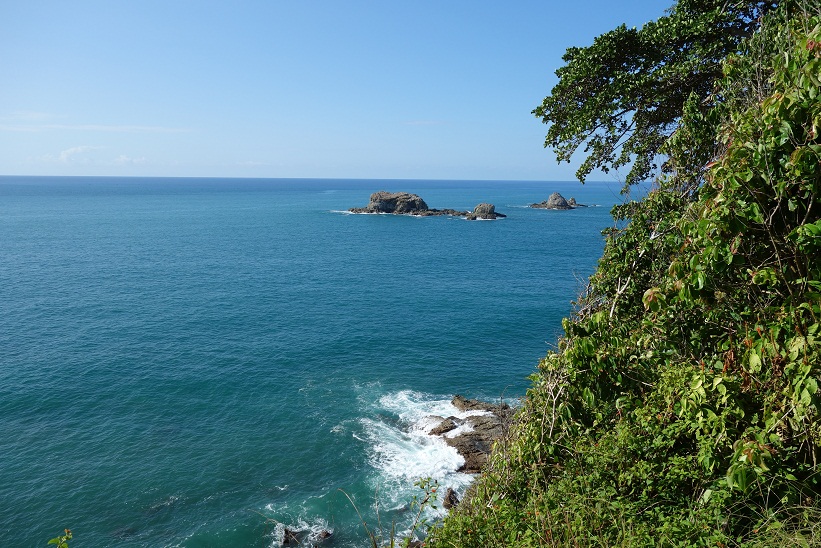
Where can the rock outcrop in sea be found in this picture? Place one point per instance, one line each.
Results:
(477, 432)
(483, 211)
(405, 203)
(393, 202)
(304, 537)
(557, 201)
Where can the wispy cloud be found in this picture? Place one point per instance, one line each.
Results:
(84, 155)
(27, 116)
(123, 160)
(73, 154)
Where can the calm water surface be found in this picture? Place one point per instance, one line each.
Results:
(201, 362)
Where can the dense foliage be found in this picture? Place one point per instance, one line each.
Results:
(682, 406)
(622, 96)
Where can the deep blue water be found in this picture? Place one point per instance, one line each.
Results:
(190, 362)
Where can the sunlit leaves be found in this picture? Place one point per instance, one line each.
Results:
(683, 403)
(621, 98)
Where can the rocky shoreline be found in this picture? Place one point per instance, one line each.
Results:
(404, 203)
(474, 435)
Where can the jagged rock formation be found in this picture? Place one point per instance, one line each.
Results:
(393, 202)
(404, 203)
(557, 201)
(475, 444)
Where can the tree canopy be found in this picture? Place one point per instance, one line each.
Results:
(623, 96)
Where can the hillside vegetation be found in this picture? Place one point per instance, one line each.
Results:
(681, 408)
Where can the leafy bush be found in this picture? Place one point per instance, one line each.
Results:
(682, 406)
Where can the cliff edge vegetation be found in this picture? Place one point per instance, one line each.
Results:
(681, 407)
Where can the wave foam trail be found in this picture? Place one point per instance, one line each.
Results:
(300, 532)
(401, 450)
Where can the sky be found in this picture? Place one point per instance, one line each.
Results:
(356, 89)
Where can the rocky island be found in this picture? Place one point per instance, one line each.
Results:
(557, 201)
(404, 203)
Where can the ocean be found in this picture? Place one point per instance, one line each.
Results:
(205, 362)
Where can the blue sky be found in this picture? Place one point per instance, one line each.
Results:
(355, 89)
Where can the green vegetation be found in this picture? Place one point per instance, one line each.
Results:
(62, 540)
(622, 96)
(682, 406)
(379, 537)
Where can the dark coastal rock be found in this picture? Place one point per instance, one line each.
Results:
(557, 201)
(465, 404)
(475, 446)
(394, 202)
(450, 500)
(290, 538)
(404, 203)
(439, 212)
(448, 424)
(485, 212)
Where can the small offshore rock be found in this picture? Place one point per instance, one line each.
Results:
(393, 202)
(290, 538)
(405, 203)
(555, 201)
(485, 212)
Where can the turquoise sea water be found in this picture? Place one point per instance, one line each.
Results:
(200, 362)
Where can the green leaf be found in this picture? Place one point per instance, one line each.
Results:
(755, 362)
(806, 398)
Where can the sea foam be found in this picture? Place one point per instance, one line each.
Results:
(403, 452)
